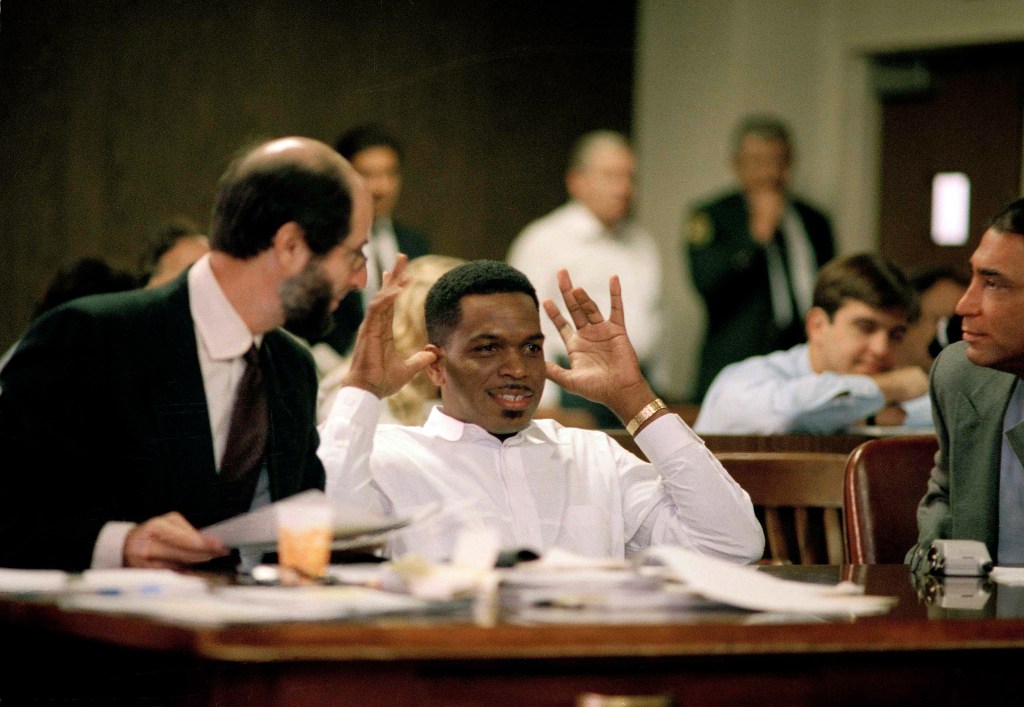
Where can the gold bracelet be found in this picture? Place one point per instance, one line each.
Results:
(643, 415)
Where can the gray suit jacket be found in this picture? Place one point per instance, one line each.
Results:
(962, 501)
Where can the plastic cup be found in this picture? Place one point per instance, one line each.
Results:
(304, 533)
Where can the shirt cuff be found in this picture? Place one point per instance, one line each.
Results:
(665, 436)
(863, 387)
(108, 552)
(356, 405)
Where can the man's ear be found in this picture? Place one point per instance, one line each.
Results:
(435, 371)
(290, 248)
(817, 321)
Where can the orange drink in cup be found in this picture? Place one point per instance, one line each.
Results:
(304, 534)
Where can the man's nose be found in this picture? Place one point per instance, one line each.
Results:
(358, 278)
(513, 363)
(969, 303)
(881, 344)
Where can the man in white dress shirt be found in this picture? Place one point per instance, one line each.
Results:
(537, 484)
(846, 372)
(593, 237)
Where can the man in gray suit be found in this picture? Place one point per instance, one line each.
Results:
(976, 490)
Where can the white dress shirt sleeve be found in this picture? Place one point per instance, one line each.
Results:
(702, 508)
(108, 553)
(346, 443)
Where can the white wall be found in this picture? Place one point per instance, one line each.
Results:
(703, 64)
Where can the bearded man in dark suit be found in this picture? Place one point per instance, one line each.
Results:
(127, 421)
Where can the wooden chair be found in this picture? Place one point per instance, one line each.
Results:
(885, 480)
(798, 497)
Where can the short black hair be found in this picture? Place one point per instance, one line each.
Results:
(924, 280)
(254, 200)
(1010, 219)
(867, 278)
(479, 277)
(163, 239)
(363, 137)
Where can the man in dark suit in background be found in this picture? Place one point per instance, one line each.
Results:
(377, 156)
(129, 420)
(754, 253)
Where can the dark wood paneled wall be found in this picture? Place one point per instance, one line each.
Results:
(117, 114)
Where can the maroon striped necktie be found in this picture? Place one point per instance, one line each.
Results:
(250, 424)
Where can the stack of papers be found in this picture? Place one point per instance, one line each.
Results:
(665, 584)
(253, 605)
(662, 584)
(116, 582)
(600, 595)
(32, 581)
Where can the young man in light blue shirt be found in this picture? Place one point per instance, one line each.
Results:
(845, 374)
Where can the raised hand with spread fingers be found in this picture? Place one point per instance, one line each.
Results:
(603, 367)
(377, 366)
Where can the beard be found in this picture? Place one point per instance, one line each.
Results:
(306, 299)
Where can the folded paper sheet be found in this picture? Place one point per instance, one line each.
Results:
(258, 528)
(746, 588)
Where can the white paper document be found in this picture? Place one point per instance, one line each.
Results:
(14, 581)
(746, 588)
(258, 529)
(130, 580)
(1007, 575)
(249, 605)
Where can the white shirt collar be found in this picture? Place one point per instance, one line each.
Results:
(452, 430)
(220, 329)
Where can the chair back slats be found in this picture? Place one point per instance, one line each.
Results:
(885, 481)
(798, 497)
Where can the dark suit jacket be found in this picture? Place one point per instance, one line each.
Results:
(730, 271)
(962, 500)
(103, 417)
(349, 314)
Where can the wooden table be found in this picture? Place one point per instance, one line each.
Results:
(921, 652)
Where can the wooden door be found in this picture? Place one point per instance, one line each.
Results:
(962, 113)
